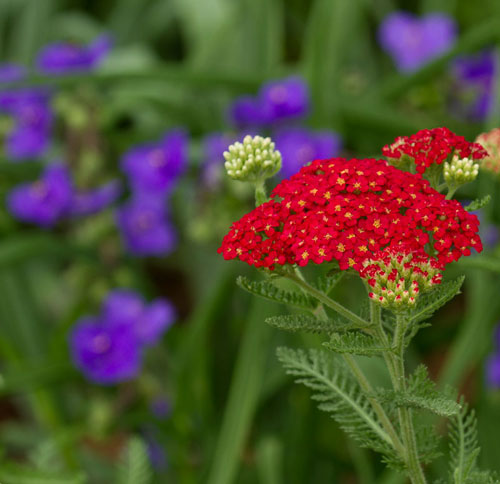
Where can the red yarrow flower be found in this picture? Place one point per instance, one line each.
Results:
(431, 146)
(349, 210)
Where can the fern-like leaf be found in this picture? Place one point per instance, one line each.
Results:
(310, 324)
(338, 395)
(464, 449)
(478, 203)
(268, 290)
(135, 467)
(327, 282)
(429, 303)
(355, 344)
(423, 394)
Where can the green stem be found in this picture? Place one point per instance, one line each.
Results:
(350, 361)
(260, 192)
(451, 192)
(397, 373)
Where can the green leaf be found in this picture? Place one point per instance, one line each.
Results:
(268, 290)
(11, 473)
(428, 303)
(422, 393)
(135, 467)
(355, 344)
(327, 282)
(309, 324)
(478, 203)
(338, 394)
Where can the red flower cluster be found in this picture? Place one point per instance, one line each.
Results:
(349, 210)
(432, 146)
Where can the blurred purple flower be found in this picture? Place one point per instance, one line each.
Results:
(65, 58)
(105, 354)
(33, 119)
(213, 147)
(11, 72)
(156, 452)
(93, 201)
(474, 84)
(46, 200)
(276, 101)
(160, 407)
(493, 371)
(149, 321)
(154, 167)
(413, 41)
(145, 228)
(299, 146)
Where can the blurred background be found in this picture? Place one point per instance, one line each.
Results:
(127, 352)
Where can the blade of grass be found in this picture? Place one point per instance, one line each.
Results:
(243, 395)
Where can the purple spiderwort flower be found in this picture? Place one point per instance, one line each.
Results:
(413, 41)
(493, 371)
(149, 321)
(10, 72)
(277, 101)
(299, 146)
(474, 84)
(44, 201)
(145, 227)
(61, 58)
(160, 407)
(154, 167)
(93, 201)
(213, 147)
(33, 119)
(105, 354)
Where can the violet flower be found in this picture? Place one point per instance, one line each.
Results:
(105, 354)
(145, 227)
(148, 321)
(493, 371)
(154, 167)
(10, 72)
(93, 201)
(44, 201)
(473, 85)
(413, 41)
(33, 119)
(299, 146)
(61, 58)
(160, 407)
(277, 101)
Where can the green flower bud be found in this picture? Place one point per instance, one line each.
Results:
(253, 160)
(460, 171)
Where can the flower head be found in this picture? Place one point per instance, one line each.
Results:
(11, 72)
(397, 276)
(145, 227)
(490, 141)
(348, 210)
(460, 170)
(44, 201)
(62, 58)
(148, 321)
(252, 160)
(105, 354)
(412, 41)
(154, 167)
(93, 201)
(430, 146)
(299, 146)
(474, 78)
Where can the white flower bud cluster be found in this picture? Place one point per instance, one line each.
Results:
(460, 171)
(397, 281)
(253, 160)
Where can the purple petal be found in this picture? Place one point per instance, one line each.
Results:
(91, 202)
(155, 320)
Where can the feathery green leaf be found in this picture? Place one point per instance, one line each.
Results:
(355, 344)
(310, 324)
(478, 203)
(338, 394)
(327, 282)
(268, 290)
(135, 467)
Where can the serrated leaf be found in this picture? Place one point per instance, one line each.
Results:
(355, 344)
(135, 467)
(310, 324)
(327, 282)
(478, 203)
(268, 290)
(340, 395)
(428, 303)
